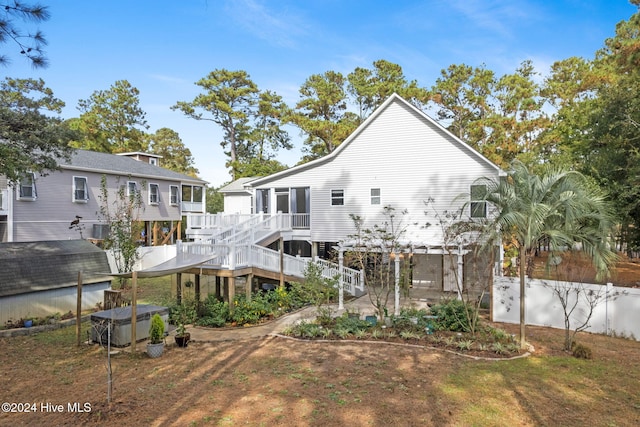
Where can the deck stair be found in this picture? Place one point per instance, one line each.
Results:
(238, 244)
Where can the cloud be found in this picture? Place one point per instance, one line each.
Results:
(496, 16)
(282, 28)
(168, 79)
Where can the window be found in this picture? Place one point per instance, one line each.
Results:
(174, 196)
(337, 197)
(478, 206)
(80, 189)
(197, 194)
(153, 161)
(132, 188)
(27, 187)
(375, 196)
(154, 194)
(193, 198)
(192, 193)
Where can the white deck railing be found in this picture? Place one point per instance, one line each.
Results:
(219, 221)
(238, 256)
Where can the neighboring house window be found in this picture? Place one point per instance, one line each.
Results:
(197, 194)
(337, 197)
(154, 194)
(174, 196)
(27, 188)
(192, 193)
(478, 206)
(375, 196)
(132, 188)
(153, 161)
(80, 189)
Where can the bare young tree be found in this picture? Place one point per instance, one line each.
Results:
(121, 213)
(578, 300)
(374, 251)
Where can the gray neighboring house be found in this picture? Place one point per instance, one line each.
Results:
(41, 208)
(38, 279)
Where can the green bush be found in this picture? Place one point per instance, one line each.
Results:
(453, 315)
(582, 352)
(247, 312)
(215, 313)
(184, 313)
(351, 325)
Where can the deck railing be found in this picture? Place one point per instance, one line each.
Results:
(232, 256)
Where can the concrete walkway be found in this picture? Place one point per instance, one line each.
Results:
(362, 305)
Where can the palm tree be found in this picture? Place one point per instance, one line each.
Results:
(559, 207)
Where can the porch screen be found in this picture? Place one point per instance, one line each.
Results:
(300, 204)
(262, 200)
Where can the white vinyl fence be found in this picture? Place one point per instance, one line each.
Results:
(617, 311)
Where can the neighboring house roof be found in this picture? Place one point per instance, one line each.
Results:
(237, 186)
(37, 266)
(393, 98)
(121, 165)
(139, 153)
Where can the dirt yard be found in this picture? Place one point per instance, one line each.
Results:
(279, 381)
(274, 381)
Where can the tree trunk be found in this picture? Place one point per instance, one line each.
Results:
(523, 263)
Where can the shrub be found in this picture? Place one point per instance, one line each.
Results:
(156, 329)
(465, 345)
(453, 315)
(582, 352)
(184, 313)
(351, 325)
(215, 313)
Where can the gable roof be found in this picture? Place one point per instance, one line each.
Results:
(93, 161)
(380, 110)
(237, 186)
(37, 266)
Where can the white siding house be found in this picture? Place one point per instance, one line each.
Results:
(238, 197)
(398, 157)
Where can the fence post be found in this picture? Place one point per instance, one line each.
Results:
(340, 280)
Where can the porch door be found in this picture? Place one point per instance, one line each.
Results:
(282, 200)
(300, 206)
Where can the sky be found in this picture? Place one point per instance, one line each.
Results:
(163, 47)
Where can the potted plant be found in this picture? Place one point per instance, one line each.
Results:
(155, 347)
(182, 336)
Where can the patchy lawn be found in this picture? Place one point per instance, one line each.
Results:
(278, 381)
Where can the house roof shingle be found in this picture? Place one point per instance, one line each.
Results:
(111, 163)
(35, 266)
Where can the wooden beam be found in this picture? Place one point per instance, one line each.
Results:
(248, 286)
(167, 236)
(197, 291)
(179, 288)
(155, 233)
(231, 286)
